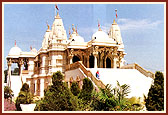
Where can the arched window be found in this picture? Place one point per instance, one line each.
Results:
(108, 63)
(75, 59)
(91, 61)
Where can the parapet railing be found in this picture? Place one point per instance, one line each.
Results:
(88, 73)
(140, 69)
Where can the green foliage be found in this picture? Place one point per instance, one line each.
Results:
(104, 100)
(25, 87)
(57, 78)
(24, 97)
(113, 99)
(86, 91)
(121, 91)
(8, 93)
(75, 88)
(155, 99)
(58, 97)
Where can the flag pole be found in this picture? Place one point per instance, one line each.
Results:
(116, 14)
(55, 9)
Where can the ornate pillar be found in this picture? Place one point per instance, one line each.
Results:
(115, 57)
(115, 62)
(120, 59)
(105, 62)
(87, 61)
(35, 87)
(71, 56)
(70, 59)
(9, 73)
(95, 54)
(41, 87)
(20, 69)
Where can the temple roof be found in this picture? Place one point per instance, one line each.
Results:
(14, 51)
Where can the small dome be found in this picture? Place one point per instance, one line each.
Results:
(78, 39)
(100, 36)
(34, 50)
(14, 51)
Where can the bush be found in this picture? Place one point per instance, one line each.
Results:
(8, 93)
(24, 97)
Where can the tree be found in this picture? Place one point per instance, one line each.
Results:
(58, 97)
(24, 97)
(87, 89)
(155, 99)
(85, 95)
(75, 88)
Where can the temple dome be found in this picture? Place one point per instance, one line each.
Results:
(100, 36)
(78, 39)
(14, 51)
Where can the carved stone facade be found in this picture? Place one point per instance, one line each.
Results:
(36, 67)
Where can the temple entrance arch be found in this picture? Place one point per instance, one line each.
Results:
(91, 61)
(108, 62)
(75, 59)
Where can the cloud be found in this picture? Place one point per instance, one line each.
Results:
(124, 24)
(143, 24)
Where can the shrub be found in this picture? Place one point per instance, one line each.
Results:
(24, 97)
(75, 88)
(8, 93)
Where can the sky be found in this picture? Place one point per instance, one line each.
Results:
(142, 27)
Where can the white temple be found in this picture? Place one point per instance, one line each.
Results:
(77, 59)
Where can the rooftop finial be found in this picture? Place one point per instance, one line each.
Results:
(76, 31)
(48, 26)
(73, 28)
(99, 26)
(30, 47)
(57, 15)
(69, 31)
(15, 43)
(114, 22)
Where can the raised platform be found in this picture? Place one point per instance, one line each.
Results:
(139, 83)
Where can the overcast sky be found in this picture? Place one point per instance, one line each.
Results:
(142, 27)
